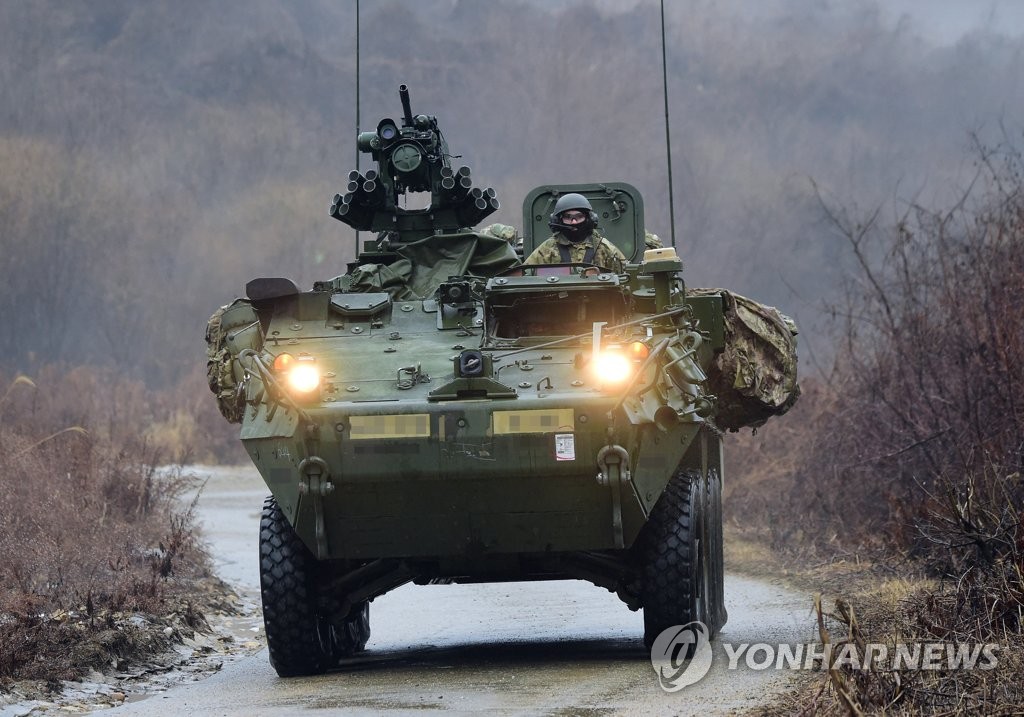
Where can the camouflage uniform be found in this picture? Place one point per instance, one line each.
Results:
(606, 255)
(652, 240)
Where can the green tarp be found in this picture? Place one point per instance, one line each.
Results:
(427, 263)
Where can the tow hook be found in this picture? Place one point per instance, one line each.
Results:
(315, 477)
(613, 462)
(316, 483)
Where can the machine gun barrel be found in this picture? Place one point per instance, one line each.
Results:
(403, 94)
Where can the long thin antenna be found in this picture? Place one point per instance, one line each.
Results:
(668, 137)
(357, 102)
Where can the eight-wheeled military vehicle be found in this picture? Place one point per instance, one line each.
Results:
(443, 414)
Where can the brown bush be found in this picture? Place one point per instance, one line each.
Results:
(91, 526)
(925, 393)
(913, 446)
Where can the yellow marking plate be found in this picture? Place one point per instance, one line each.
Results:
(409, 425)
(540, 420)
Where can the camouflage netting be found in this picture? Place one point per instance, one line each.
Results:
(754, 378)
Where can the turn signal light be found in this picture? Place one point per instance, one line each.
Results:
(283, 362)
(638, 351)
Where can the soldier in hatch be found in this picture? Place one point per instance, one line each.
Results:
(575, 239)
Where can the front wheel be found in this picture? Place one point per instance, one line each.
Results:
(300, 637)
(671, 550)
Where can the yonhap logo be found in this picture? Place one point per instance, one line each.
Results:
(681, 655)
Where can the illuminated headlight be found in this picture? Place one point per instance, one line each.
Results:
(613, 367)
(304, 377)
(300, 374)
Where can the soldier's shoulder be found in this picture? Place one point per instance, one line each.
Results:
(543, 251)
(607, 244)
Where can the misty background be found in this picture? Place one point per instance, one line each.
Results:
(155, 156)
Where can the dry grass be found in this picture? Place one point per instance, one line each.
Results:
(907, 460)
(92, 531)
(862, 601)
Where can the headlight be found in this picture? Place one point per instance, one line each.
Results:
(613, 367)
(300, 374)
(304, 377)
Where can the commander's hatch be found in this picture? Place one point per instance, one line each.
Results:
(619, 207)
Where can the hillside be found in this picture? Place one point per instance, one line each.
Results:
(157, 156)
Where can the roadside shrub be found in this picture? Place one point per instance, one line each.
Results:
(923, 407)
(91, 526)
(913, 445)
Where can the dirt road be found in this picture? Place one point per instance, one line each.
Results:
(520, 648)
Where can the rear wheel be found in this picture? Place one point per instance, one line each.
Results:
(300, 637)
(674, 581)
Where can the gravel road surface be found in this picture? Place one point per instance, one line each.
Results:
(563, 647)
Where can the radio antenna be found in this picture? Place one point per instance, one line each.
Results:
(668, 137)
(357, 102)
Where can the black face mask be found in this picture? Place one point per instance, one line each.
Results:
(575, 232)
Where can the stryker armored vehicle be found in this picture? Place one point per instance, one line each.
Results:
(442, 413)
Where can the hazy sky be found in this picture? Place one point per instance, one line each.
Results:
(945, 21)
(941, 22)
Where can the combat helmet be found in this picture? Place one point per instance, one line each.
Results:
(574, 232)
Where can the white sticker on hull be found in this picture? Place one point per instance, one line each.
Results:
(565, 447)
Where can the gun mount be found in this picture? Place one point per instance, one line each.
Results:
(411, 158)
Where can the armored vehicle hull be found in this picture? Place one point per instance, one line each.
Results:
(443, 414)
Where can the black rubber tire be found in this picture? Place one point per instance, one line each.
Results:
(301, 641)
(716, 560)
(673, 575)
